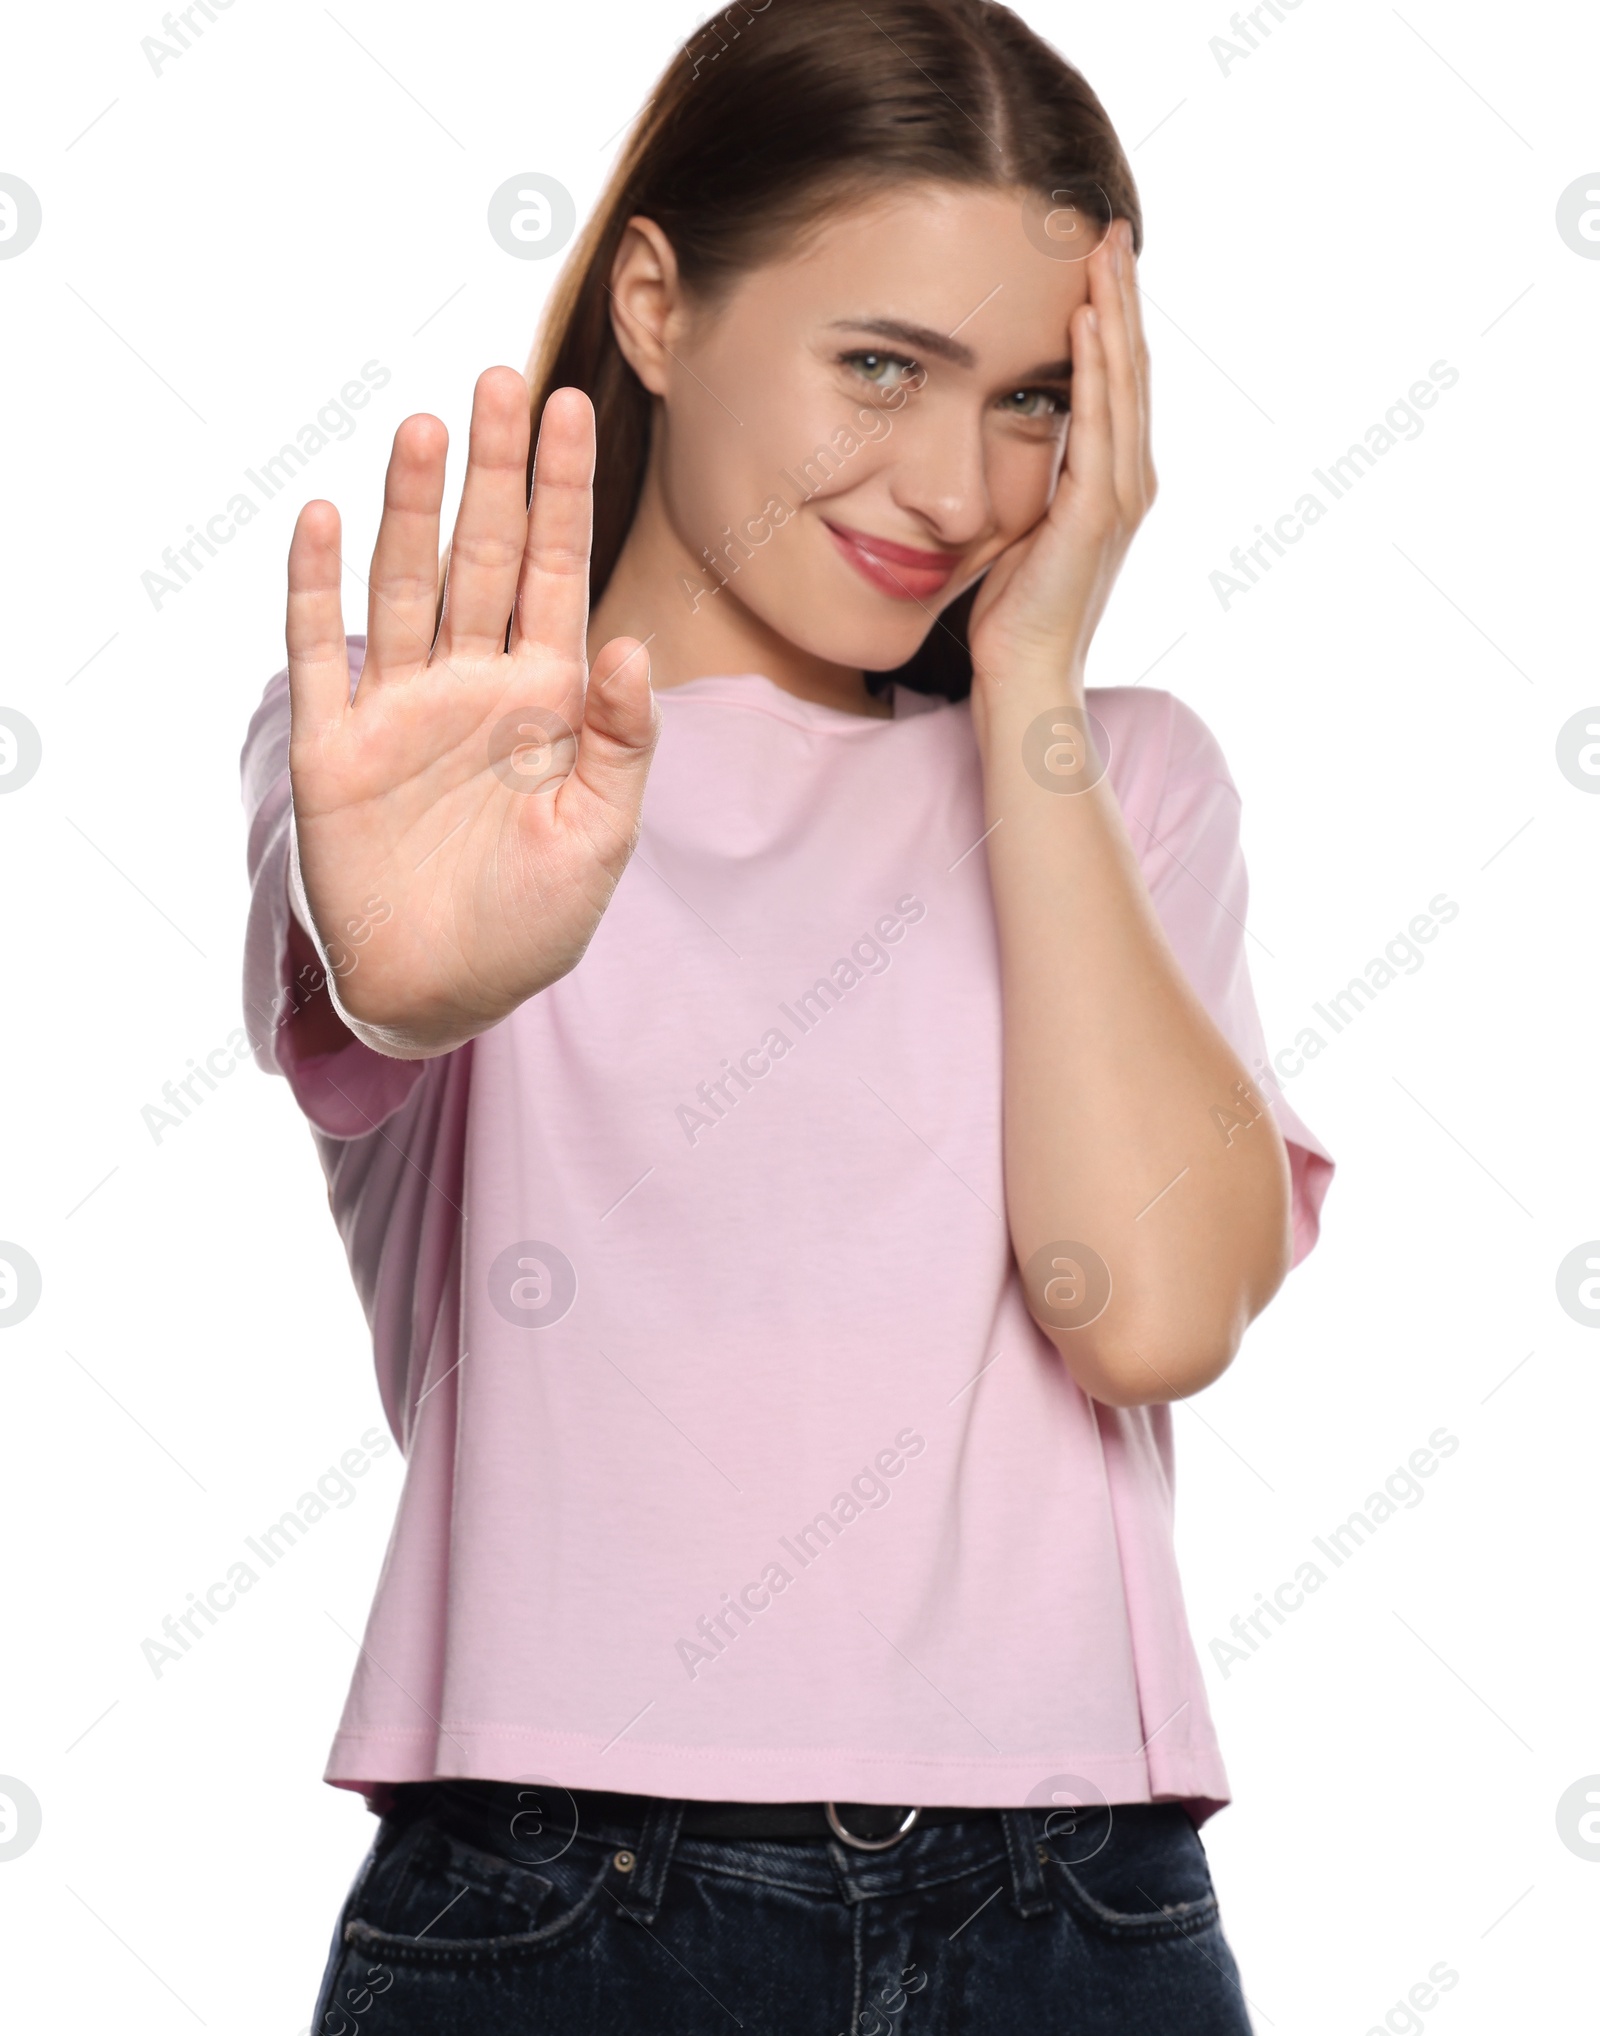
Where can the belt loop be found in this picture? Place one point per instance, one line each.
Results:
(1029, 1894)
(658, 1840)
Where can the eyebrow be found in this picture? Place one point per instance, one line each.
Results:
(943, 347)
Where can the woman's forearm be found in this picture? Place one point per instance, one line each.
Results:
(1131, 1125)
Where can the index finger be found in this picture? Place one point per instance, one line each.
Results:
(1115, 294)
(552, 604)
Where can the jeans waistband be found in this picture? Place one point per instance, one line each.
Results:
(528, 1823)
(876, 1823)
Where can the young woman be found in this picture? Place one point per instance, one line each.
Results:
(787, 1075)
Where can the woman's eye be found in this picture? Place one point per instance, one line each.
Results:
(1035, 403)
(886, 370)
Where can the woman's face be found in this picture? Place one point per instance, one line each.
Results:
(854, 432)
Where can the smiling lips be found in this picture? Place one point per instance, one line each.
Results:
(898, 570)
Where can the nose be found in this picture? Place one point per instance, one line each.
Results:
(938, 476)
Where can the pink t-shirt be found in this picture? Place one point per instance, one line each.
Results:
(735, 1465)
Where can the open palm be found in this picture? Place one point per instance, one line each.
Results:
(485, 787)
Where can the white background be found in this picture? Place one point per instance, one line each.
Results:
(224, 245)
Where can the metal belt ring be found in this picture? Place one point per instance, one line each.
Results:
(870, 1844)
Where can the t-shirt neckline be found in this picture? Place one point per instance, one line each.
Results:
(756, 689)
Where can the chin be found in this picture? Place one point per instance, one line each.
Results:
(861, 646)
(847, 624)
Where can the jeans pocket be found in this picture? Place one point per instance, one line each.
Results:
(1148, 1879)
(435, 1901)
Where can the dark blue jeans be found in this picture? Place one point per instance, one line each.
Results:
(1013, 1920)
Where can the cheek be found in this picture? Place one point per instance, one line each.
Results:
(704, 481)
(725, 460)
(1022, 479)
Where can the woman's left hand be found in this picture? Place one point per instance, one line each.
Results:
(1042, 598)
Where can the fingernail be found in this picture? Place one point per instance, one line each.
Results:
(1094, 319)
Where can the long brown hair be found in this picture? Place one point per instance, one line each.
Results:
(767, 119)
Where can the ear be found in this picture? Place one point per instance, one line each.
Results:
(646, 300)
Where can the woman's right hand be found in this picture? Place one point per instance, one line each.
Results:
(488, 797)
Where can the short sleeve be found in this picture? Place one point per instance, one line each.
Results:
(1194, 867)
(352, 1090)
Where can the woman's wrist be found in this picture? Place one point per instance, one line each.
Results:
(1020, 704)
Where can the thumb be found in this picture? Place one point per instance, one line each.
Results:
(620, 725)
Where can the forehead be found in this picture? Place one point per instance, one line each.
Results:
(951, 258)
